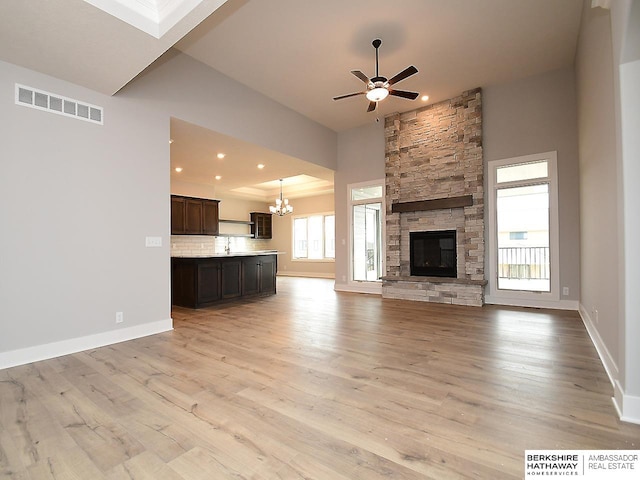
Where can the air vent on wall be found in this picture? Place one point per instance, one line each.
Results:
(51, 102)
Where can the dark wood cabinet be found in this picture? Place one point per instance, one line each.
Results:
(268, 267)
(194, 284)
(198, 282)
(178, 211)
(259, 275)
(194, 216)
(231, 278)
(210, 220)
(261, 225)
(209, 274)
(251, 275)
(184, 283)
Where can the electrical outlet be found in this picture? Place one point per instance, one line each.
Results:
(565, 291)
(119, 317)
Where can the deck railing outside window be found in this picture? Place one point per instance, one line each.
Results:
(523, 263)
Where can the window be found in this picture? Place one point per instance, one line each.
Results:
(517, 235)
(366, 210)
(314, 237)
(523, 213)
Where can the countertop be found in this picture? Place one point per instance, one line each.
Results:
(232, 254)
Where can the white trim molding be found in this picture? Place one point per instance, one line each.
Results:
(37, 353)
(606, 358)
(627, 406)
(606, 4)
(150, 16)
(521, 302)
(290, 273)
(524, 298)
(374, 288)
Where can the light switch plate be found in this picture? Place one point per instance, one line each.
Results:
(153, 241)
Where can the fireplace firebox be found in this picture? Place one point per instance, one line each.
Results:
(433, 254)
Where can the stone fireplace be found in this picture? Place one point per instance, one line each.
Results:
(434, 183)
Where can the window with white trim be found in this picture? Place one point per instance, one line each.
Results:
(523, 228)
(366, 216)
(314, 237)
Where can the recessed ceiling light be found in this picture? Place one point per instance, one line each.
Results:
(221, 155)
(424, 98)
(260, 166)
(218, 177)
(178, 169)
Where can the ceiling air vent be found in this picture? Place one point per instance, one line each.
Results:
(51, 102)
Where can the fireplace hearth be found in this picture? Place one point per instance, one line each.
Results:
(433, 254)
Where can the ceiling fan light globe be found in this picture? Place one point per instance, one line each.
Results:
(377, 94)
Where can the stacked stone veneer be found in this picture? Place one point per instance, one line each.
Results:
(432, 153)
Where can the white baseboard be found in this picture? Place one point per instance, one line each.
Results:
(364, 287)
(26, 355)
(628, 406)
(306, 275)
(606, 358)
(518, 302)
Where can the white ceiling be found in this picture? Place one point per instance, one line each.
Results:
(195, 149)
(300, 53)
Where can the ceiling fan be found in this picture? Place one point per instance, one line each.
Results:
(378, 87)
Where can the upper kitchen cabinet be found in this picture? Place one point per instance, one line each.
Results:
(261, 225)
(210, 219)
(193, 216)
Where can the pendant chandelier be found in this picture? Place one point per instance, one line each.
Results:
(282, 206)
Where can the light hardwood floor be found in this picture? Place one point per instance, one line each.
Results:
(313, 384)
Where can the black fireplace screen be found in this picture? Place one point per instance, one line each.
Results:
(433, 254)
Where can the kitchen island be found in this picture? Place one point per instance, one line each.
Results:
(201, 281)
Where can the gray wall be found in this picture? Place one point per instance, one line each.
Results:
(179, 86)
(598, 178)
(360, 159)
(78, 199)
(608, 74)
(534, 115)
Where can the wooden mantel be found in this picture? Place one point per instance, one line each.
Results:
(436, 204)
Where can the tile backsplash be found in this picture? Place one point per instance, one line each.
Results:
(204, 245)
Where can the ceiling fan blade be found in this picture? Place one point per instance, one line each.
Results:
(340, 97)
(404, 94)
(407, 72)
(361, 76)
(372, 106)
